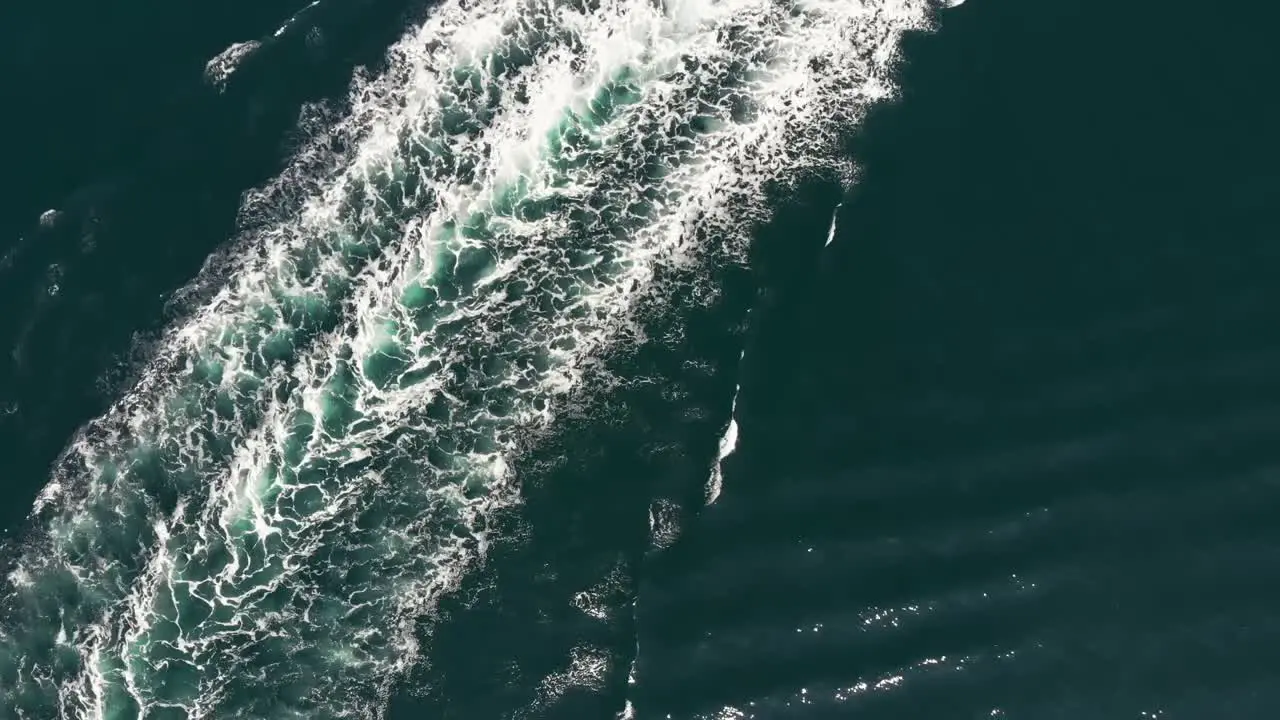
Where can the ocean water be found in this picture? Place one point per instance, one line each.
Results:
(637, 359)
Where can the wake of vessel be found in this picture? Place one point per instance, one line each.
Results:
(310, 460)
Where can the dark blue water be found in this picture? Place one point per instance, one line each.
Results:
(1007, 445)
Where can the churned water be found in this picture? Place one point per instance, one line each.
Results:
(630, 359)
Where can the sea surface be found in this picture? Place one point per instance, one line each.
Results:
(630, 359)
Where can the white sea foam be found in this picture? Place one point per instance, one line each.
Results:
(284, 27)
(220, 67)
(728, 443)
(257, 528)
(831, 232)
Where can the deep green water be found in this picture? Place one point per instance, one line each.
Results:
(1006, 444)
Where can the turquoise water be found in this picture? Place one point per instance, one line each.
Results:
(434, 432)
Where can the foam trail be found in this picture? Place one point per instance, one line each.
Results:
(284, 27)
(220, 68)
(258, 528)
(728, 443)
(831, 232)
